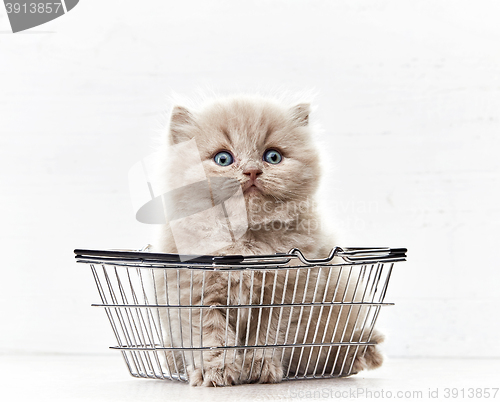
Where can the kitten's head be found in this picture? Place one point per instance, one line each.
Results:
(264, 145)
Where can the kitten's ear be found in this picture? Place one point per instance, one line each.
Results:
(181, 125)
(300, 114)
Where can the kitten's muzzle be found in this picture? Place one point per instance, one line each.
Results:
(251, 184)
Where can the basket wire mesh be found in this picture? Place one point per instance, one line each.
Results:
(171, 316)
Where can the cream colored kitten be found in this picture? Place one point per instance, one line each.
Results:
(267, 147)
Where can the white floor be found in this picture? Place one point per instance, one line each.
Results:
(105, 378)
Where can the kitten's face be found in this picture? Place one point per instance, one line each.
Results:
(265, 146)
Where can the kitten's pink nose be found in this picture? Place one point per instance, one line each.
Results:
(253, 172)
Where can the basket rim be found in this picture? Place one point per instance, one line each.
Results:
(351, 255)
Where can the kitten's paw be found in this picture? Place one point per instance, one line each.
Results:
(264, 370)
(214, 376)
(195, 377)
(372, 358)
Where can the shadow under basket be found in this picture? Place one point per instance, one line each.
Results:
(174, 315)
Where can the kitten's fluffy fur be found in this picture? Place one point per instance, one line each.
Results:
(247, 126)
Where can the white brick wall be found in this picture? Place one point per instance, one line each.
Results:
(409, 98)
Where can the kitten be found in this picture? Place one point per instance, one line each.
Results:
(267, 147)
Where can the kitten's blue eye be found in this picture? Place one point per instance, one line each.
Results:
(272, 156)
(223, 158)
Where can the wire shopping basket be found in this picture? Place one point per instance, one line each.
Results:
(173, 316)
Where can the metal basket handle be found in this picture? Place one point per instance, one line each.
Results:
(358, 254)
